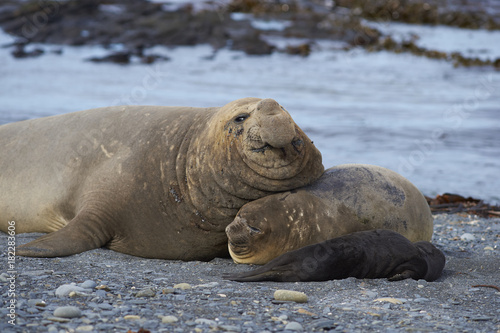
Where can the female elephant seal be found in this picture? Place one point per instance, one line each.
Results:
(151, 181)
(346, 199)
(364, 254)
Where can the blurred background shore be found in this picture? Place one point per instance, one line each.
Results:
(411, 85)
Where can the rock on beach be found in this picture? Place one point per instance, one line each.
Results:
(290, 296)
(68, 312)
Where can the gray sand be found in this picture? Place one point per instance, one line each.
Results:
(112, 301)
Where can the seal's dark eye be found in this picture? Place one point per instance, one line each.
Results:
(241, 118)
(254, 230)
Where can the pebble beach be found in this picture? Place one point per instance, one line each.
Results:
(106, 291)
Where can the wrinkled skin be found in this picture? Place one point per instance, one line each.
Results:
(364, 254)
(346, 199)
(151, 181)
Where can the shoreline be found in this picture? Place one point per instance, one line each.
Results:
(248, 26)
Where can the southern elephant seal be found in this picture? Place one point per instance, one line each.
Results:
(151, 181)
(346, 199)
(364, 254)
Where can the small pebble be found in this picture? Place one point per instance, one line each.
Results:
(421, 300)
(422, 282)
(207, 285)
(67, 289)
(67, 312)
(322, 324)
(391, 300)
(88, 284)
(105, 306)
(59, 319)
(103, 287)
(146, 292)
(168, 291)
(36, 302)
(290, 296)
(208, 322)
(131, 317)
(229, 328)
(169, 319)
(182, 286)
(294, 326)
(468, 237)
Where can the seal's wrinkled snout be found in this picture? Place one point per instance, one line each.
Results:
(239, 230)
(239, 235)
(277, 127)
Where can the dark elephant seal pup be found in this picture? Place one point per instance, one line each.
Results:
(151, 181)
(346, 199)
(364, 254)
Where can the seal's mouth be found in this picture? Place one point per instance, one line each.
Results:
(262, 149)
(241, 252)
(297, 145)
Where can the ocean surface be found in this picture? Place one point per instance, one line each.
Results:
(435, 124)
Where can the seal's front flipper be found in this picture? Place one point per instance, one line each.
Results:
(403, 276)
(253, 277)
(265, 273)
(76, 237)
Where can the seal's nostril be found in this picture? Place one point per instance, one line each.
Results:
(297, 145)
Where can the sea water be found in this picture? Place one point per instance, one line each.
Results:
(435, 124)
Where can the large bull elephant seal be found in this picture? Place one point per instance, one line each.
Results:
(346, 199)
(368, 254)
(151, 181)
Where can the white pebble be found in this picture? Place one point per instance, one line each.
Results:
(131, 317)
(182, 286)
(467, 237)
(169, 319)
(66, 289)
